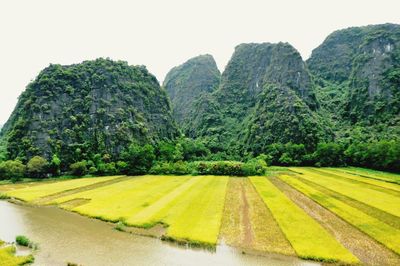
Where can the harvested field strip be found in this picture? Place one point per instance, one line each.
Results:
(121, 200)
(368, 250)
(371, 211)
(36, 192)
(9, 187)
(308, 238)
(382, 186)
(196, 217)
(373, 174)
(148, 216)
(380, 231)
(386, 202)
(258, 231)
(52, 197)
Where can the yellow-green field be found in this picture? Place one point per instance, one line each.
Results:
(308, 238)
(253, 214)
(8, 258)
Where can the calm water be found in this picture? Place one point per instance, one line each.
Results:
(67, 237)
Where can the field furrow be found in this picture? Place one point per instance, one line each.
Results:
(199, 220)
(247, 223)
(35, 192)
(380, 231)
(121, 200)
(380, 200)
(372, 174)
(308, 238)
(383, 216)
(148, 216)
(367, 249)
(382, 186)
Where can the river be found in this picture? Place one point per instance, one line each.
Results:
(68, 237)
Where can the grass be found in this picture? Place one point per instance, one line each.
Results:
(380, 231)
(378, 199)
(308, 238)
(247, 223)
(119, 201)
(32, 193)
(376, 183)
(373, 174)
(190, 206)
(192, 213)
(8, 258)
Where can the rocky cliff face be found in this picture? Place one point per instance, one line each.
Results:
(365, 62)
(95, 106)
(186, 83)
(242, 110)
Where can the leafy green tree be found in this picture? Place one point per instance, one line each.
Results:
(79, 168)
(37, 167)
(139, 158)
(10, 169)
(329, 154)
(54, 166)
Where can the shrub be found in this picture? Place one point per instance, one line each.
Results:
(329, 154)
(22, 241)
(37, 167)
(122, 167)
(78, 168)
(106, 169)
(54, 166)
(256, 166)
(221, 168)
(139, 158)
(12, 170)
(170, 168)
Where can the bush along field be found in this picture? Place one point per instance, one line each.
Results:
(333, 215)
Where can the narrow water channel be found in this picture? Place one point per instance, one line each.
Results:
(68, 237)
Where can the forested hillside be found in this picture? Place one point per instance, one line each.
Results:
(340, 107)
(186, 83)
(81, 110)
(358, 73)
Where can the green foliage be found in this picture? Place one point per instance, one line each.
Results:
(22, 241)
(186, 83)
(79, 168)
(329, 154)
(96, 107)
(381, 155)
(37, 167)
(10, 169)
(54, 166)
(139, 158)
(256, 166)
(172, 168)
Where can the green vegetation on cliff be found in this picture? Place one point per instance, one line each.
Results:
(96, 107)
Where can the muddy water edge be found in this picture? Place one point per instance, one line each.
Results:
(68, 237)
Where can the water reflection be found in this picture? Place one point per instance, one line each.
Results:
(67, 237)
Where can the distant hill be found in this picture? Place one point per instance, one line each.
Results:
(188, 82)
(98, 106)
(347, 92)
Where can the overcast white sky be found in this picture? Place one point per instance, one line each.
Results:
(161, 34)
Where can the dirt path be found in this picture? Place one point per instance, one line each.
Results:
(365, 248)
(49, 198)
(248, 224)
(370, 210)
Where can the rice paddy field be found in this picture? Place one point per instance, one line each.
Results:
(334, 215)
(8, 257)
